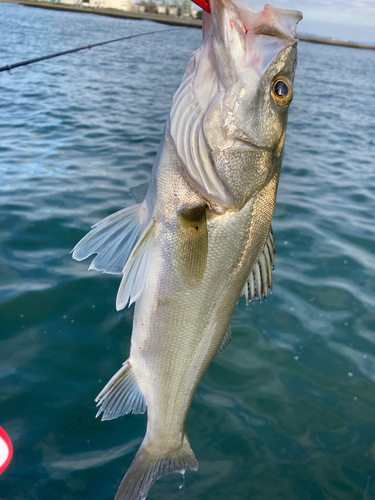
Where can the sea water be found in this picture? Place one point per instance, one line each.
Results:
(287, 410)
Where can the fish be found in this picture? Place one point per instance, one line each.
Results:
(202, 235)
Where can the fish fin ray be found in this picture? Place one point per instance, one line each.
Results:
(147, 468)
(226, 340)
(260, 279)
(113, 239)
(136, 270)
(121, 395)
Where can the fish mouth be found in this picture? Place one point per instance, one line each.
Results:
(242, 144)
(250, 36)
(271, 21)
(265, 29)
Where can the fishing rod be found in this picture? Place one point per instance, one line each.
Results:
(8, 67)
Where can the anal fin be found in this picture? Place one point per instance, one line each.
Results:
(260, 279)
(121, 395)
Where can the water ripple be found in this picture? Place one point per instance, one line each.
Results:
(287, 410)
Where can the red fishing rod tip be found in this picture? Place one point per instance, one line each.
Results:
(203, 4)
(6, 450)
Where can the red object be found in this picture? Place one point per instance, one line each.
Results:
(6, 450)
(203, 4)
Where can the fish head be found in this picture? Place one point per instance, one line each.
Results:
(239, 87)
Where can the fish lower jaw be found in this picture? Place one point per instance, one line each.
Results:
(241, 144)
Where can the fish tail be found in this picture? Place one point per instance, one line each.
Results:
(147, 467)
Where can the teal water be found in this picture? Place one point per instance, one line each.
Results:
(287, 411)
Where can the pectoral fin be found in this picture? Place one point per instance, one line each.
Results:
(113, 239)
(260, 278)
(136, 271)
(192, 244)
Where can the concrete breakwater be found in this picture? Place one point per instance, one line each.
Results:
(170, 20)
(159, 18)
(329, 41)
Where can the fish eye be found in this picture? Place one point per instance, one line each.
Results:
(282, 91)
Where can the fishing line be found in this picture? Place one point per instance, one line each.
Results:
(8, 67)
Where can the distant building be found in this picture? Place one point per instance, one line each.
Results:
(104, 4)
(173, 10)
(117, 4)
(186, 8)
(162, 9)
(149, 6)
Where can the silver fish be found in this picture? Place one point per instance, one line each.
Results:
(202, 235)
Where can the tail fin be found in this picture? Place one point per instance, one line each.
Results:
(147, 468)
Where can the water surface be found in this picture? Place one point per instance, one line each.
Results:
(287, 411)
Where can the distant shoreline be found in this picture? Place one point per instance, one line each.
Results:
(328, 41)
(170, 20)
(124, 14)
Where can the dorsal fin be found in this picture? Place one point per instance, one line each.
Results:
(260, 278)
(226, 340)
